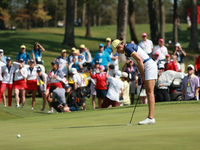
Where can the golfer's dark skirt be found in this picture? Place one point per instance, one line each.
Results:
(101, 93)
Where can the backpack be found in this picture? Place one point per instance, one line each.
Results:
(73, 100)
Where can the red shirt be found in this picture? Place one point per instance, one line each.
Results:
(197, 63)
(171, 66)
(101, 80)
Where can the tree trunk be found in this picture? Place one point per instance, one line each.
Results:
(131, 10)
(153, 20)
(175, 30)
(69, 24)
(75, 11)
(122, 19)
(83, 15)
(95, 20)
(28, 12)
(162, 19)
(193, 31)
(56, 14)
(88, 33)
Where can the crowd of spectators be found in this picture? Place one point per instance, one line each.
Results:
(65, 86)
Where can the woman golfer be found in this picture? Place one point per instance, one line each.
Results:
(148, 71)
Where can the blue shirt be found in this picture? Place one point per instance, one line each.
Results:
(37, 53)
(62, 58)
(103, 58)
(108, 49)
(86, 56)
(77, 66)
(131, 71)
(24, 56)
(130, 48)
(3, 58)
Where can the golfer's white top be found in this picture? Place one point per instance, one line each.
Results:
(62, 65)
(44, 79)
(31, 74)
(1, 65)
(22, 75)
(147, 46)
(79, 79)
(59, 74)
(8, 74)
(114, 90)
(161, 50)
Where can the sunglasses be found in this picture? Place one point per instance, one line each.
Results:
(189, 69)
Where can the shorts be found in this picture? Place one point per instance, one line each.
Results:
(32, 85)
(101, 93)
(57, 84)
(73, 108)
(132, 87)
(20, 84)
(151, 70)
(107, 102)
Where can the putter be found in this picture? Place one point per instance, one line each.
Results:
(129, 124)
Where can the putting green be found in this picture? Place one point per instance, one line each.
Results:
(177, 127)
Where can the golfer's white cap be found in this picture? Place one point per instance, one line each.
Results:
(118, 74)
(74, 71)
(177, 44)
(114, 45)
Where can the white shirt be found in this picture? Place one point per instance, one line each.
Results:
(44, 79)
(31, 75)
(161, 50)
(8, 74)
(114, 62)
(114, 90)
(1, 65)
(147, 46)
(79, 79)
(59, 75)
(22, 75)
(62, 65)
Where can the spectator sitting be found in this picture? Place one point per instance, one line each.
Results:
(23, 55)
(73, 54)
(83, 52)
(162, 93)
(190, 85)
(115, 90)
(63, 62)
(125, 97)
(197, 66)
(161, 49)
(107, 47)
(88, 57)
(156, 58)
(78, 65)
(37, 53)
(170, 64)
(146, 44)
(180, 53)
(3, 58)
(178, 65)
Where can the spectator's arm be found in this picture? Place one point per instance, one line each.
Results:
(196, 92)
(42, 48)
(122, 91)
(92, 76)
(75, 86)
(109, 59)
(33, 55)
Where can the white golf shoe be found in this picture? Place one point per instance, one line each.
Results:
(147, 121)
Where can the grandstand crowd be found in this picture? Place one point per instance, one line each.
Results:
(78, 75)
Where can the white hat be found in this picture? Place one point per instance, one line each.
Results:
(118, 74)
(74, 71)
(161, 66)
(191, 66)
(177, 44)
(124, 74)
(1, 50)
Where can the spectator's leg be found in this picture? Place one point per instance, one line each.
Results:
(33, 98)
(93, 101)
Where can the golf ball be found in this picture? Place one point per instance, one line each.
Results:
(18, 135)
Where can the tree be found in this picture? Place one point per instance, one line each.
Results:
(69, 24)
(131, 10)
(153, 20)
(175, 30)
(122, 19)
(162, 19)
(194, 31)
(88, 32)
(4, 17)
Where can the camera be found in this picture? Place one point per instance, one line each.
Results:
(112, 67)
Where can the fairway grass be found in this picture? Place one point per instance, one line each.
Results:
(177, 128)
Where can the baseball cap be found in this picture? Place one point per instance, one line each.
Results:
(191, 66)
(74, 71)
(54, 63)
(161, 40)
(80, 57)
(118, 74)
(177, 44)
(21, 60)
(114, 45)
(82, 46)
(101, 45)
(157, 53)
(8, 58)
(22, 46)
(76, 51)
(168, 55)
(161, 66)
(73, 49)
(144, 34)
(64, 51)
(67, 86)
(32, 61)
(108, 39)
(1, 50)
(39, 69)
(96, 62)
(124, 74)
(101, 67)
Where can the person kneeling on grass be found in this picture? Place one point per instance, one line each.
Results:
(59, 99)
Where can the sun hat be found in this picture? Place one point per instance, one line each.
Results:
(114, 45)
(124, 74)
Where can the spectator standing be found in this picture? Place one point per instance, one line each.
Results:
(8, 72)
(161, 49)
(115, 90)
(174, 57)
(74, 53)
(20, 82)
(142, 95)
(170, 64)
(63, 62)
(197, 66)
(23, 55)
(88, 56)
(78, 64)
(3, 57)
(107, 47)
(190, 85)
(37, 53)
(101, 84)
(180, 53)
(83, 52)
(102, 56)
(41, 76)
(156, 58)
(114, 60)
(146, 44)
(3, 95)
(125, 97)
(32, 81)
